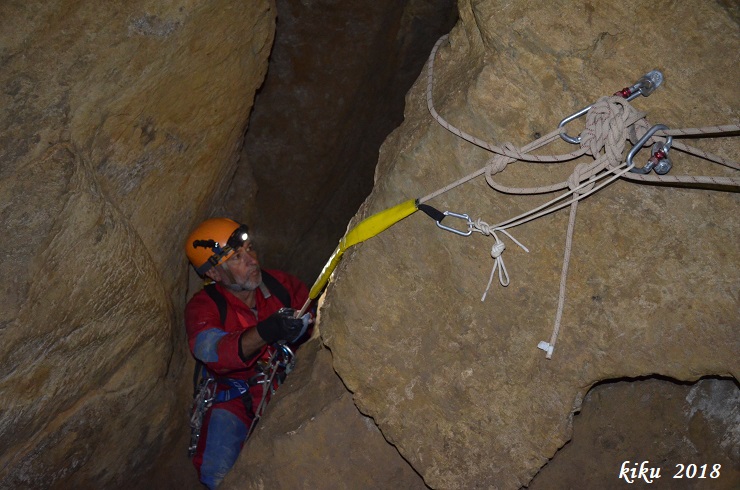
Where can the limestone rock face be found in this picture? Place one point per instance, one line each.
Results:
(120, 123)
(458, 385)
(313, 437)
(667, 424)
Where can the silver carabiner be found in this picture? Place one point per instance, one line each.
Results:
(288, 358)
(644, 86)
(570, 139)
(661, 163)
(453, 230)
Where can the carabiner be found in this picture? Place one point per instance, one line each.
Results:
(570, 139)
(453, 230)
(658, 160)
(644, 86)
(288, 358)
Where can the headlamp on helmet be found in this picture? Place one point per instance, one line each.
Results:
(213, 242)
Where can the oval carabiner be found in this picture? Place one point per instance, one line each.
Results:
(285, 358)
(638, 146)
(570, 139)
(453, 230)
(644, 86)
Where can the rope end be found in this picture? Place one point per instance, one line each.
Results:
(547, 347)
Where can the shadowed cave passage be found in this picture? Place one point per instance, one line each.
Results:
(337, 78)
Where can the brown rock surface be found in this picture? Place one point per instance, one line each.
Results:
(120, 130)
(120, 124)
(457, 384)
(665, 423)
(313, 437)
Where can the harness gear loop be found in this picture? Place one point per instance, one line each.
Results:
(644, 86)
(283, 357)
(269, 373)
(204, 398)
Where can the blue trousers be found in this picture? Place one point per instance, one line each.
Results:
(225, 428)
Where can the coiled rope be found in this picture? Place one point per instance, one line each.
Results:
(610, 123)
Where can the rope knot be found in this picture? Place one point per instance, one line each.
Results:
(482, 227)
(496, 164)
(497, 249)
(583, 171)
(606, 127)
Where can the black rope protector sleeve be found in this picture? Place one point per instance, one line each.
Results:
(433, 213)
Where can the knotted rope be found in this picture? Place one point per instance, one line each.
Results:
(610, 123)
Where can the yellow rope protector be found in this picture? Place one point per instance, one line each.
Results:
(367, 228)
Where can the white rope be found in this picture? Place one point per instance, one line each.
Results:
(544, 209)
(609, 123)
(497, 249)
(563, 279)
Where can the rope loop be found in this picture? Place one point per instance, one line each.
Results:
(583, 171)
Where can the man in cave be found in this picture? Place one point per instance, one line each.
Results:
(235, 326)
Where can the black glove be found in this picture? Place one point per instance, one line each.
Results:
(282, 326)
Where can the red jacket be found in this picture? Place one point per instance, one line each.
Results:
(217, 345)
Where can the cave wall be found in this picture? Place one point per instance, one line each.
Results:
(312, 436)
(457, 384)
(120, 127)
(671, 425)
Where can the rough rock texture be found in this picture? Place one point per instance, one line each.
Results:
(313, 437)
(665, 423)
(120, 129)
(457, 384)
(334, 90)
(120, 123)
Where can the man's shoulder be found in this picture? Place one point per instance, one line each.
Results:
(278, 274)
(287, 280)
(200, 299)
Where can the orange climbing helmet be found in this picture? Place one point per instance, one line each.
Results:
(213, 242)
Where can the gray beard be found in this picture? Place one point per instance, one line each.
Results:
(247, 285)
(251, 285)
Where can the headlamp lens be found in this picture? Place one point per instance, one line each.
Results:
(237, 239)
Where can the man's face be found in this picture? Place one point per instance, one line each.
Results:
(243, 268)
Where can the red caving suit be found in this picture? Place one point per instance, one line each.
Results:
(225, 425)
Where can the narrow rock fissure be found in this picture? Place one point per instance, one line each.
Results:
(335, 88)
